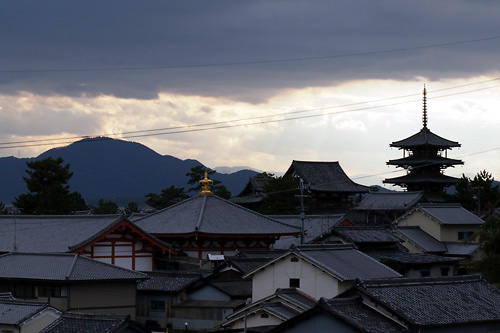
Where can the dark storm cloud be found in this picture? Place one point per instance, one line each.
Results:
(59, 35)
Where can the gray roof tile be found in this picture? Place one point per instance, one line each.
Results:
(390, 201)
(437, 301)
(168, 281)
(425, 138)
(421, 258)
(61, 267)
(422, 239)
(85, 323)
(49, 233)
(353, 311)
(324, 177)
(210, 214)
(450, 214)
(14, 312)
(315, 226)
(366, 234)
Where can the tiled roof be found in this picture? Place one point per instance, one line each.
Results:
(450, 214)
(390, 201)
(421, 258)
(353, 311)
(436, 301)
(212, 215)
(168, 282)
(246, 265)
(316, 226)
(412, 178)
(366, 235)
(14, 312)
(49, 233)
(277, 309)
(422, 239)
(324, 177)
(61, 267)
(85, 323)
(422, 160)
(290, 295)
(425, 138)
(194, 303)
(343, 262)
(460, 249)
(234, 288)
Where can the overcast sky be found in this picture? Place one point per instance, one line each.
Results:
(281, 80)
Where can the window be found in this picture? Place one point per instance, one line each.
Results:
(157, 305)
(52, 291)
(462, 235)
(264, 315)
(294, 283)
(425, 273)
(445, 271)
(294, 259)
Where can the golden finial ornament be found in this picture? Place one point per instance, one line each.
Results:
(205, 185)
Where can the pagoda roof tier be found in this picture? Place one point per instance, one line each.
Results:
(421, 160)
(425, 138)
(415, 179)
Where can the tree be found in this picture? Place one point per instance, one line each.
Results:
(479, 192)
(3, 209)
(105, 207)
(48, 189)
(167, 197)
(132, 207)
(281, 197)
(197, 173)
(489, 240)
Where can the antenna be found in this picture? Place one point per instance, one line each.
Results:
(424, 117)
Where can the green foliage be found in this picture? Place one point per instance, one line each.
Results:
(105, 207)
(132, 207)
(3, 210)
(281, 197)
(467, 191)
(197, 173)
(48, 189)
(167, 197)
(489, 239)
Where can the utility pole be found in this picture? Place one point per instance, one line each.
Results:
(302, 209)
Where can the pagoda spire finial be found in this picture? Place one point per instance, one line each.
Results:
(424, 117)
(205, 185)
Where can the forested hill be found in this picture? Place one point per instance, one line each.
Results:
(113, 169)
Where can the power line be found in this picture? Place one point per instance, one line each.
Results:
(244, 63)
(232, 123)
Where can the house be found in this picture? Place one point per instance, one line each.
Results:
(439, 229)
(446, 304)
(422, 265)
(157, 294)
(281, 306)
(207, 224)
(340, 315)
(70, 282)
(111, 239)
(84, 322)
(376, 241)
(382, 208)
(316, 270)
(444, 222)
(316, 228)
(328, 184)
(18, 316)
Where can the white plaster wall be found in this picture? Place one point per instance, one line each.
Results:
(419, 219)
(313, 281)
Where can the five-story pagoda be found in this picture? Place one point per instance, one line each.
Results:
(424, 158)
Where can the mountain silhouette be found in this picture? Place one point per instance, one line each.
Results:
(112, 169)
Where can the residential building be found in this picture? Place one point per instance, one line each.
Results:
(316, 270)
(70, 282)
(18, 316)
